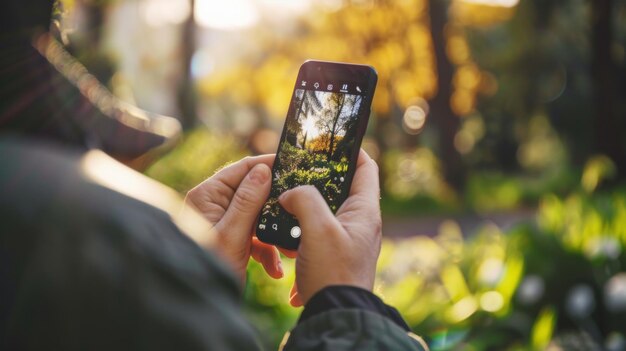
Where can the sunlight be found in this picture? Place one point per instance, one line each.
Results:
(99, 168)
(310, 129)
(226, 15)
(502, 3)
(161, 12)
(242, 14)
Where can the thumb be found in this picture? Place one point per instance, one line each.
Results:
(247, 202)
(310, 208)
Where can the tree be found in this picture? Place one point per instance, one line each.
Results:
(328, 123)
(349, 126)
(608, 132)
(442, 114)
(293, 124)
(305, 102)
(334, 130)
(187, 101)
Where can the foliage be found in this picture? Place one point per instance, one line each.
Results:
(199, 155)
(414, 173)
(489, 191)
(414, 185)
(397, 41)
(266, 302)
(306, 167)
(542, 284)
(522, 289)
(528, 288)
(400, 53)
(554, 281)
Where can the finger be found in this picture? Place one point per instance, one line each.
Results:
(362, 208)
(288, 253)
(363, 158)
(310, 208)
(233, 174)
(365, 181)
(243, 210)
(268, 256)
(220, 188)
(294, 296)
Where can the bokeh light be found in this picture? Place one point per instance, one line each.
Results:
(491, 301)
(163, 12)
(414, 119)
(230, 15)
(615, 293)
(504, 3)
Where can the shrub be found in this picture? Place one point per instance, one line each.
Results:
(197, 157)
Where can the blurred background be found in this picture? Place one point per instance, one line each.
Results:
(499, 126)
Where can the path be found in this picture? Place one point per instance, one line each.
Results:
(402, 227)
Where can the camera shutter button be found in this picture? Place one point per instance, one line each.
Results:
(295, 231)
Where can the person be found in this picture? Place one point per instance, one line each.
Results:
(96, 256)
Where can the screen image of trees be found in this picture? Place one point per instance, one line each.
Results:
(316, 150)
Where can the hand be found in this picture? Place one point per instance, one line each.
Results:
(231, 200)
(339, 249)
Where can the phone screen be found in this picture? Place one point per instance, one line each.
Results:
(320, 143)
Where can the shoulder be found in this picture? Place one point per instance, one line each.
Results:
(53, 183)
(89, 197)
(84, 236)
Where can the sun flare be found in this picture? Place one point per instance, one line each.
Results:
(226, 15)
(310, 129)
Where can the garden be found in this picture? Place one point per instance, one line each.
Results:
(316, 147)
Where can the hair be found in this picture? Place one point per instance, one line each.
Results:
(22, 16)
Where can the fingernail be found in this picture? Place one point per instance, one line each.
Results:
(283, 196)
(259, 174)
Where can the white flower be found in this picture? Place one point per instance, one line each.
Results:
(615, 293)
(580, 301)
(531, 289)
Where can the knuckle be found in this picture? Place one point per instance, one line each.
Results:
(194, 195)
(314, 194)
(245, 200)
(247, 161)
(326, 226)
(303, 192)
(307, 190)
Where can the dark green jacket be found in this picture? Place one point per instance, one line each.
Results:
(94, 256)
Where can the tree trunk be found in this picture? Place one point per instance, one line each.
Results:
(304, 112)
(187, 99)
(446, 120)
(333, 131)
(607, 130)
(293, 124)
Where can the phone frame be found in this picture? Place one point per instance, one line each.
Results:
(325, 72)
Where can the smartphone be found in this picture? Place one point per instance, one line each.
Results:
(320, 142)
